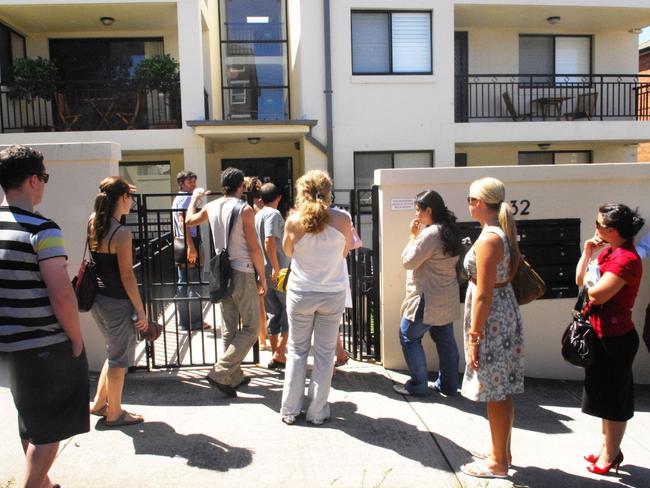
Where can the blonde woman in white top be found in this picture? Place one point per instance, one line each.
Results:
(318, 239)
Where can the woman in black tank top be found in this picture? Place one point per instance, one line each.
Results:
(118, 298)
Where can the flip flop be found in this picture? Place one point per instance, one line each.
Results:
(125, 418)
(478, 469)
(482, 455)
(101, 412)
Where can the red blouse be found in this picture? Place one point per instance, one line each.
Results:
(614, 317)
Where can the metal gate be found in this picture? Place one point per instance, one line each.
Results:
(151, 222)
(361, 324)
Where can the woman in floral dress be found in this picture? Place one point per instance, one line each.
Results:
(494, 348)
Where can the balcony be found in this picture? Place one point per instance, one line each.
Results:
(514, 97)
(90, 106)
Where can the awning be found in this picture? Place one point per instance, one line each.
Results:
(244, 131)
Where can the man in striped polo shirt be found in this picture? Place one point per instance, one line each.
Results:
(40, 338)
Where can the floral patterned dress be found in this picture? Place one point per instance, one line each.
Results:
(501, 352)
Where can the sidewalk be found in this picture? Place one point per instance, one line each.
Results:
(193, 437)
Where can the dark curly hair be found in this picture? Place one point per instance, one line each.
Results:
(17, 163)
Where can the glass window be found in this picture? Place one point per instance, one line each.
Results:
(554, 157)
(391, 42)
(550, 55)
(12, 47)
(365, 164)
(254, 60)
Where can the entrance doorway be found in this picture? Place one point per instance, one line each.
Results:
(274, 170)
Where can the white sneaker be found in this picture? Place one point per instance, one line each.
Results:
(317, 422)
(401, 389)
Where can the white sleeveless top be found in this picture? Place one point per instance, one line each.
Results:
(318, 263)
(219, 217)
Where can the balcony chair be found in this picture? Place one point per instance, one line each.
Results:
(129, 118)
(511, 109)
(585, 107)
(68, 119)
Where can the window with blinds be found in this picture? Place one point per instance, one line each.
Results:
(527, 158)
(391, 43)
(544, 57)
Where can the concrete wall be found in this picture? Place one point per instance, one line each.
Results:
(554, 192)
(68, 200)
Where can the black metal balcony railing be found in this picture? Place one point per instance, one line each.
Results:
(90, 105)
(508, 97)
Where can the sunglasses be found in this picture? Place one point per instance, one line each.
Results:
(601, 226)
(472, 200)
(44, 177)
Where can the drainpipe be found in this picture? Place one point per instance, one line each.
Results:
(328, 88)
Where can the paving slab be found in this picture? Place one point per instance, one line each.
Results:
(193, 437)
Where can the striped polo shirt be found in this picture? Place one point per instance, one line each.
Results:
(27, 320)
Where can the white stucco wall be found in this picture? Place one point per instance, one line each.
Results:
(75, 172)
(568, 191)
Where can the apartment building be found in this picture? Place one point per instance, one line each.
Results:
(278, 87)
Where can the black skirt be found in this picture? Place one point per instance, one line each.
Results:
(608, 391)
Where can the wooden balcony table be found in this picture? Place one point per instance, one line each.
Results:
(546, 103)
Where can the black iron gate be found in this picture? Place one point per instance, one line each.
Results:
(151, 222)
(361, 324)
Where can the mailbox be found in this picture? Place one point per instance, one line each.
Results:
(551, 246)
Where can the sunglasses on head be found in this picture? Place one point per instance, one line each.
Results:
(471, 200)
(601, 226)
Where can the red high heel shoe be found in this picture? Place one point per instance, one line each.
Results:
(591, 458)
(614, 464)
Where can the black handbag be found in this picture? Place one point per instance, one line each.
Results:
(221, 276)
(579, 338)
(85, 283)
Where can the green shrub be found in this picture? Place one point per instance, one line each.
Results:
(35, 77)
(159, 72)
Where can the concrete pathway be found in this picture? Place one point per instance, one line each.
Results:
(193, 437)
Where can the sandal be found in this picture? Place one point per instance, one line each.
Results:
(478, 469)
(483, 455)
(341, 362)
(100, 412)
(125, 418)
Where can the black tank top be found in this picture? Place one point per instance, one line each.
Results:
(109, 281)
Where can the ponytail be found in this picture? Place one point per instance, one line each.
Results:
(110, 190)
(507, 223)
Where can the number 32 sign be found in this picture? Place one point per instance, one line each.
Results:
(520, 207)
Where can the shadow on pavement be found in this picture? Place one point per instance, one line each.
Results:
(632, 476)
(201, 451)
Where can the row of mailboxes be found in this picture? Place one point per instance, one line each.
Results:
(551, 246)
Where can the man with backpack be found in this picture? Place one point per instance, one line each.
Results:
(246, 259)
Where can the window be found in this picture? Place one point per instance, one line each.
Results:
(391, 43)
(12, 47)
(549, 56)
(102, 59)
(365, 164)
(254, 59)
(554, 157)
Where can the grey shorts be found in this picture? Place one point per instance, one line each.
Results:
(113, 317)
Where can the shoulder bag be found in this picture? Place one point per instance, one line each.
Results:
(527, 284)
(221, 282)
(85, 283)
(579, 338)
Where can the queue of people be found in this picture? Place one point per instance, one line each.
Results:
(51, 390)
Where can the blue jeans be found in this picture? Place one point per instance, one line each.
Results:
(410, 337)
(189, 312)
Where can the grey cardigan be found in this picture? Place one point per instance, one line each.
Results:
(430, 274)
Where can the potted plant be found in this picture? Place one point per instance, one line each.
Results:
(34, 78)
(159, 76)
(33, 86)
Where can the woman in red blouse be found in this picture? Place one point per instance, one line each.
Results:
(608, 389)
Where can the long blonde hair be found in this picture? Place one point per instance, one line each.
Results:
(493, 193)
(313, 199)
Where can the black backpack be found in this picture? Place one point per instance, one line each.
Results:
(221, 276)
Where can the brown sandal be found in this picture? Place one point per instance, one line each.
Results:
(100, 412)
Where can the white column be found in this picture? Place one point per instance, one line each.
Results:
(190, 57)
